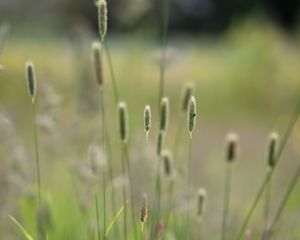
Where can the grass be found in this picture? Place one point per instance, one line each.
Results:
(237, 97)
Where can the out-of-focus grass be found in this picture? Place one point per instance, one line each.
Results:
(247, 81)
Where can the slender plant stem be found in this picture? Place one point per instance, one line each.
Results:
(177, 140)
(124, 198)
(189, 186)
(170, 202)
(267, 203)
(269, 174)
(36, 146)
(164, 43)
(285, 198)
(226, 203)
(127, 161)
(97, 216)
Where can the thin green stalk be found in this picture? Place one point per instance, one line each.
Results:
(164, 42)
(226, 203)
(267, 203)
(37, 159)
(97, 216)
(127, 161)
(124, 198)
(170, 202)
(269, 174)
(189, 186)
(285, 198)
(178, 134)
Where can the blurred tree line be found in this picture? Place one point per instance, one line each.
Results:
(187, 15)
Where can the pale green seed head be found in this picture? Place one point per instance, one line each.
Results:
(187, 92)
(232, 147)
(191, 114)
(160, 142)
(102, 18)
(147, 119)
(201, 202)
(272, 149)
(31, 79)
(164, 114)
(123, 121)
(98, 63)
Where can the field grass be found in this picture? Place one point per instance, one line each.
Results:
(247, 81)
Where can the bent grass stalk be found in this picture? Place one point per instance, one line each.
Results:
(269, 174)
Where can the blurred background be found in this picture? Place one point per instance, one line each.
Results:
(242, 55)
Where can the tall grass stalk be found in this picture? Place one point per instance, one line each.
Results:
(164, 43)
(191, 120)
(269, 174)
(231, 155)
(31, 85)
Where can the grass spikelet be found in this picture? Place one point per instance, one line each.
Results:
(147, 119)
(272, 149)
(160, 142)
(31, 79)
(164, 114)
(123, 121)
(167, 163)
(102, 18)
(98, 63)
(201, 202)
(187, 93)
(144, 210)
(191, 114)
(232, 140)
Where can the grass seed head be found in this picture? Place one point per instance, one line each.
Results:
(191, 114)
(102, 18)
(272, 149)
(144, 209)
(232, 142)
(167, 163)
(188, 91)
(44, 219)
(160, 142)
(98, 63)
(201, 202)
(164, 114)
(147, 119)
(31, 79)
(123, 121)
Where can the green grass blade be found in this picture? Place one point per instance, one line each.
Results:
(22, 229)
(115, 219)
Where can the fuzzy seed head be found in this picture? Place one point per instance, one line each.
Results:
(167, 163)
(191, 114)
(123, 121)
(232, 142)
(144, 209)
(272, 149)
(98, 63)
(31, 79)
(186, 95)
(201, 202)
(160, 142)
(164, 114)
(147, 119)
(102, 18)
